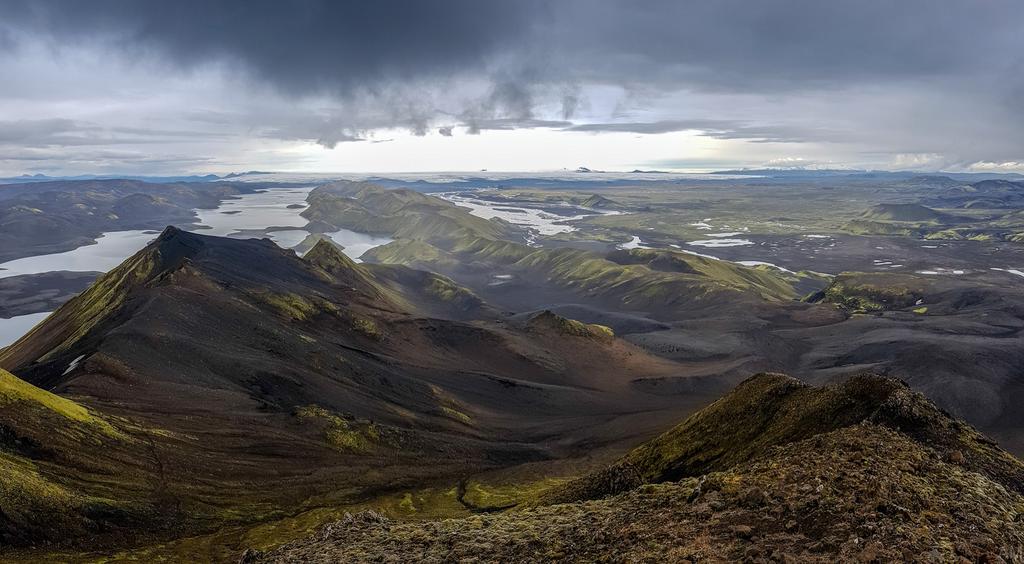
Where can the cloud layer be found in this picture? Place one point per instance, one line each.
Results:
(872, 81)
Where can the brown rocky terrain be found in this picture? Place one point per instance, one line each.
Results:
(877, 474)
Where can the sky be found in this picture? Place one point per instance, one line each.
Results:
(197, 86)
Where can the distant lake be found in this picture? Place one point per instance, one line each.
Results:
(109, 251)
(258, 210)
(12, 329)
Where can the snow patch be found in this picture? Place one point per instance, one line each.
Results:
(721, 243)
(1010, 270)
(73, 365)
(634, 243)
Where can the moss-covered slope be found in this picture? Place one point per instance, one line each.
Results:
(769, 410)
(399, 213)
(662, 282)
(862, 292)
(63, 470)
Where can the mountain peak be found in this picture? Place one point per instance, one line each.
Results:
(329, 256)
(169, 232)
(549, 320)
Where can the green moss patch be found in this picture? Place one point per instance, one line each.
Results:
(566, 326)
(16, 390)
(342, 433)
(292, 306)
(863, 293)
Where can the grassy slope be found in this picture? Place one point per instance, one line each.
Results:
(81, 314)
(45, 440)
(862, 292)
(437, 235)
(635, 278)
(397, 213)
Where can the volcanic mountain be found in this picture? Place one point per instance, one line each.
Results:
(208, 381)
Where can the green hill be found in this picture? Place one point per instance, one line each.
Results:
(905, 212)
(369, 208)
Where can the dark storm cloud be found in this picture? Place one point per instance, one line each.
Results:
(407, 63)
(300, 47)
(340, 47)
(787, 44)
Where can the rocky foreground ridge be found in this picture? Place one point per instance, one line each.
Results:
(776, 471)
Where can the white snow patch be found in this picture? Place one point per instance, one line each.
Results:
(73, 365)
(702, 255)
(634, 243)
(1010, 270)
(720, 243)
(762, 263)
(942, 271)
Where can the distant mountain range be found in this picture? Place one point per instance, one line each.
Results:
(580, 174)
(143, 177)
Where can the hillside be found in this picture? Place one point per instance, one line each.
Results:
(769, 410)
(398, 213)
(247, 393)
(665, 282)
(961, 345)
(905, 212)
(865, 471)
(435, 235)
(45, 438)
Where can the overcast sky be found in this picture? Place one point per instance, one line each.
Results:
(184, 86)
